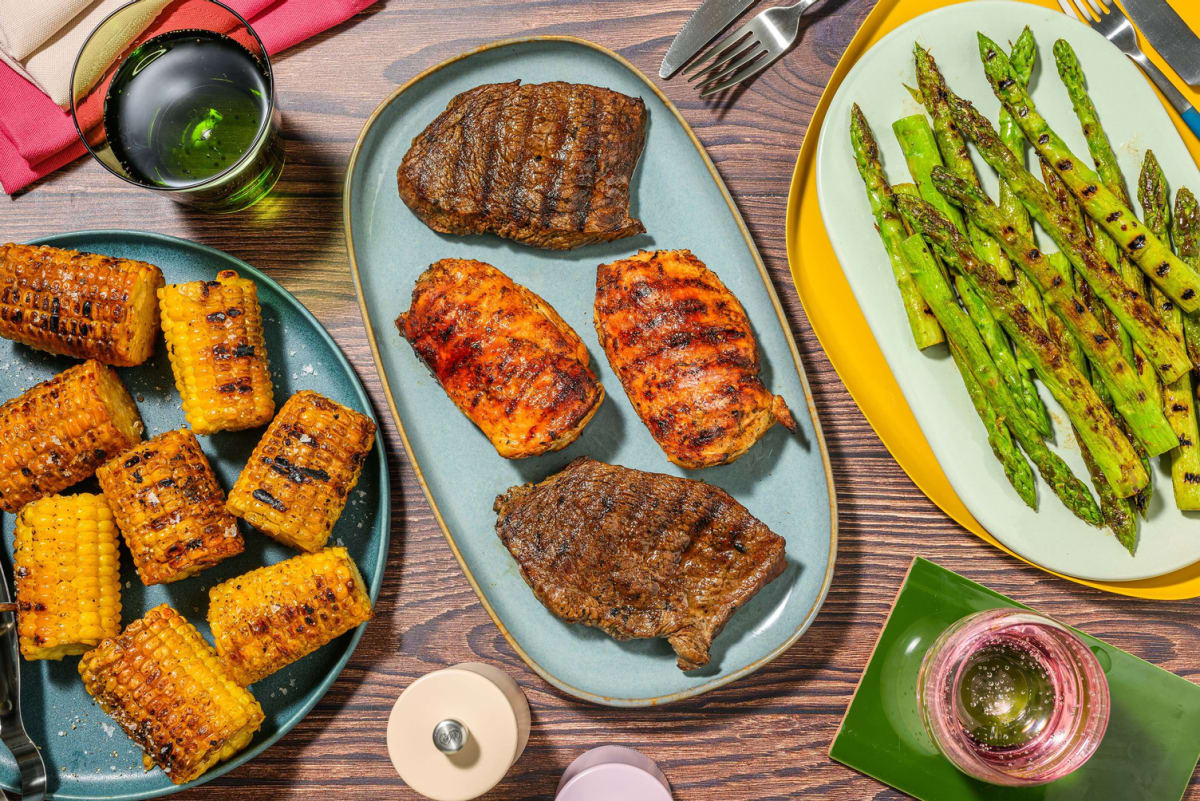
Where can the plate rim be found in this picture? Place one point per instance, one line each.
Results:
(1004, 540)
(831, 490)
(383, 511)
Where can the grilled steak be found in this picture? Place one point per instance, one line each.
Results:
(682, 346)
(503, 355)
(638, 554)
(545, 164)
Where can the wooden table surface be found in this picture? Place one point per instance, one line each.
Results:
(764, 737)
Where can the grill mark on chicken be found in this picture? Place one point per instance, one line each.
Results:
(503, 355)
(638, 555)
(545, 164)
(682, 347)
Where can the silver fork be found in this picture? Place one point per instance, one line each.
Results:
(749, 50)
(1107, 19)
(12, 727)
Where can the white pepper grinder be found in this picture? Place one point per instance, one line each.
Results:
(454, 733)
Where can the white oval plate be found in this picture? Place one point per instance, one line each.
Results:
(1135, 120)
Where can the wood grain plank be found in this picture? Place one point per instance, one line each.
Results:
(760, 739)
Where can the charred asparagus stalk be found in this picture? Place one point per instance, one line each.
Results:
(1120, 514)
(953, 149)
(1178, 399)
(1131, 308)
(1024, 53)
(917, 141)
(1152, 397)
(1143, 414)
(1071, 74)
(1185, 230)
(1152, 255)
(1098, 430)
(963, 337)
(921, 322)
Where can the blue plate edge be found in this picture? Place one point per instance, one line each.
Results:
(347, 193)
(384, 508)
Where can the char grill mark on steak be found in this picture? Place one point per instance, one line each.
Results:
(544, 164)
(638, 554)
(587, 164)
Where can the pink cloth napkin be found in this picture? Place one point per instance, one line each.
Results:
(37, 137)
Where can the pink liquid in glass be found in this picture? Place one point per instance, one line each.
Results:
(1012, 697)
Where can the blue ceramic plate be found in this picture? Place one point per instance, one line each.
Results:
(86, 755)
(784, 480)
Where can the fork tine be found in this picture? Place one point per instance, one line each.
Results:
(719, 50)
(1098, 8)
(728, 67)
(754, 67)
(1068, 9)
(724, 61)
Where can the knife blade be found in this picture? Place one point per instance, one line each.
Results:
(712, 17)
(1169, 35)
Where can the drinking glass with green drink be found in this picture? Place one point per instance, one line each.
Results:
(177, 96)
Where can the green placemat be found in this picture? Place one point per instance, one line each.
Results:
(1148, 752)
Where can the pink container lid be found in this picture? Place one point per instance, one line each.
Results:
(613, 771)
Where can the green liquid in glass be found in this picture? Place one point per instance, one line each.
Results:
(1005, 696)
(186, 106)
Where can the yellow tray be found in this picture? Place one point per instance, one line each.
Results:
(840, 327)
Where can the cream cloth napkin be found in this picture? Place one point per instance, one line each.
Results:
(26, 24)
(49, 65)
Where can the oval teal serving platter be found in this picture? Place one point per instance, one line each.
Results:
(784, 480)
(87, 756)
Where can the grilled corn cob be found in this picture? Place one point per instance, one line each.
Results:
(67, 575)
(215, 344)
(164, 685)
(272, 616)
(297, 480)
(57, 433)
(79, 304)
(169, 507)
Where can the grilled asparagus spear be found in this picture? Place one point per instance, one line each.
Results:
(1098, 430)
(1185, 231)
(1143, 414)
(1152, 255)
(921, 322)
(917, 141)
(963, 337)
(1024, 53)
(1131, 308)
(954, 150)
(1071, 75)
(1119, 513)
(1177, 397)
(1151, 398)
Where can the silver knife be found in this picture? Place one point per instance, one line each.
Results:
(711, 18)
(1170, 35)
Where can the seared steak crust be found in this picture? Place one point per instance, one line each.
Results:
(503, 355)
(546, 164)
(638, 554)
(682, 346)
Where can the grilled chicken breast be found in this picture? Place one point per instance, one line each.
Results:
(638, 554)
(546, 164)
(682, 346)
(503, 355)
